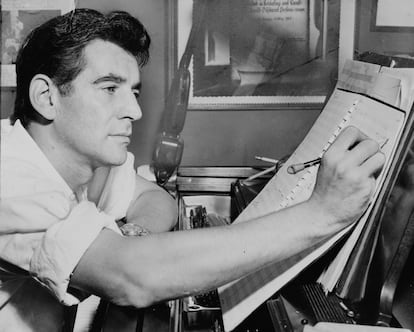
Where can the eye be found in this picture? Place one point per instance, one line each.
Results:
(110, 89)
(136, 92)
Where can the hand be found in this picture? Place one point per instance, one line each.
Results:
(346, 177)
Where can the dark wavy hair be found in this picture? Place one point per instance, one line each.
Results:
(56, 49)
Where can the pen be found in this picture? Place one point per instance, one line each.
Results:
(295, 168)
(269, 160)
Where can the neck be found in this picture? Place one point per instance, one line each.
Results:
(74, 171)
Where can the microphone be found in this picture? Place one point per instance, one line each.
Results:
(169, 146)
(167, 156)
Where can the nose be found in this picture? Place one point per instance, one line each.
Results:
(131, 108)
(137, 113)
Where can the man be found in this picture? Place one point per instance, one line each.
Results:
(67, 178)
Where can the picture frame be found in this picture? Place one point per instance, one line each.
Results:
(234, 67)
(371, 38)
(18, 18)
(392, 16)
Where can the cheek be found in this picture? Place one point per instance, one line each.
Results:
(87, 116)
(91, 130)
(84, 116)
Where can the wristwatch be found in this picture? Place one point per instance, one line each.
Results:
(131, 229)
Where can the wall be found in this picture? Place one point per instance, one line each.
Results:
(229, 138)
(211, 137)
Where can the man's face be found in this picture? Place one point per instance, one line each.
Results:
(93, 122)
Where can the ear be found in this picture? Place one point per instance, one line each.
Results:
(42, 93)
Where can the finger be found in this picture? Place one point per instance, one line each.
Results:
(348, 138)
(373, 165)
(362, 151)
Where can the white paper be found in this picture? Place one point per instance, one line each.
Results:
(378, 121)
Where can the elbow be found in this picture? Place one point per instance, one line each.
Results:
(141, 298)
(140, 292)
(172, 211)
(137, 296)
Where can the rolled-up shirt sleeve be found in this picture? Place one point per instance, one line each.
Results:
(43, 228)
(63, 245)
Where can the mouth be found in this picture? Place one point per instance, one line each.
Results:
(123, 138)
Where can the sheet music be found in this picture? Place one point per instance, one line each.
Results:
(406, 85)
(388, 89)
(358, 76)
(388, 126)
(285, 189)
(378, 121)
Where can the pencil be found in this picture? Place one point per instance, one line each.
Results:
(255, 176)
(295, 168)
(269, 160)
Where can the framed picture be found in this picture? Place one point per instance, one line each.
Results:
(378, 30)
(392, 15)
(260, 53)
(18, 19)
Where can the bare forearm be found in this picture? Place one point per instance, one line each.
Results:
(142, 270)
(155, 210)
(198, 260)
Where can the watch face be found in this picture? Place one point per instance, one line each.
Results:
(131, 229)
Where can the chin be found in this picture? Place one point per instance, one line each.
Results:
(116, 158)
(119, 161)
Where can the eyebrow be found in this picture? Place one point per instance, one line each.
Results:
(116, 79)
(110, 78)
(137, 86)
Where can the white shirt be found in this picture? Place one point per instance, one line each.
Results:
(45, 229)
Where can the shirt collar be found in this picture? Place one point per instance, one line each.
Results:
(22, 143)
